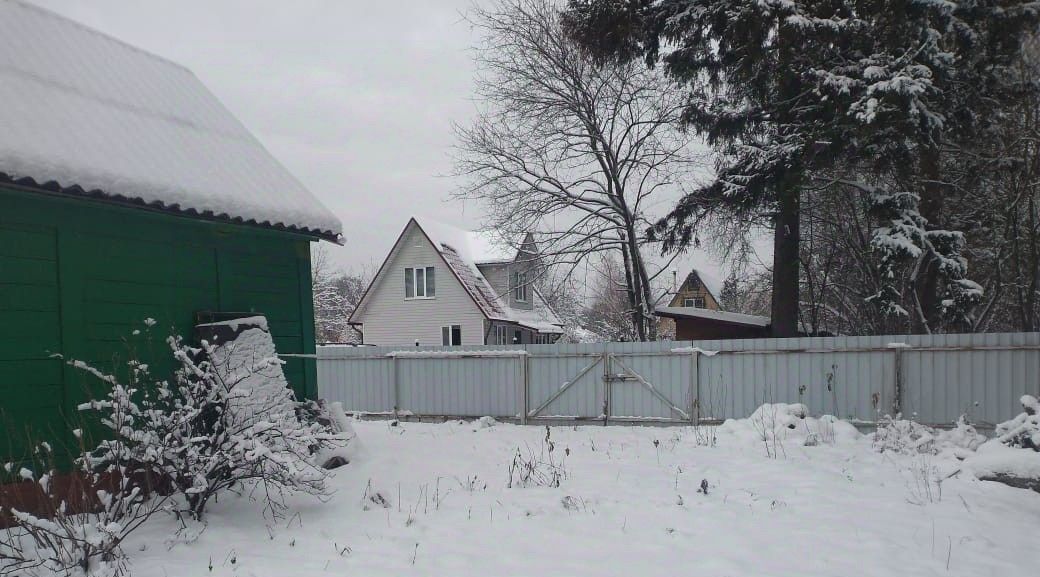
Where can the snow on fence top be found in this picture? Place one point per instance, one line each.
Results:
(96, 116)
(405, 354)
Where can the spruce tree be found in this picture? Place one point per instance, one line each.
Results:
(796, 93)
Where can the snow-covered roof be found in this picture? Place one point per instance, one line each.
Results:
(712, 315)
(711, 283)
(540, 317)
(85, 113)
(480, 247)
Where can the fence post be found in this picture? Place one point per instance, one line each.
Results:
(395, 392)
(897, 400)
(606, 387)
(695, 388)
(525, 382)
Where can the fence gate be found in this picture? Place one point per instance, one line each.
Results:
(623, 386)
(566, 386)
(650, 386)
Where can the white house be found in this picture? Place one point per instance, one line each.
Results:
(441, 285)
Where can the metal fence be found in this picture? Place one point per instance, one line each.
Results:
(935, 378)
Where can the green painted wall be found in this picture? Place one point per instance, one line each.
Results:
(78, 275)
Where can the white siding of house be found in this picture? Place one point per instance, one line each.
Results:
(391, 320)
(500, 276)
(497, 276)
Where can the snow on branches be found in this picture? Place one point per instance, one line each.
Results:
(225, 421)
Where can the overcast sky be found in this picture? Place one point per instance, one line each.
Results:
(356, 98)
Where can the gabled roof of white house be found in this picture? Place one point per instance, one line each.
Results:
(460, 253)
(84, 113)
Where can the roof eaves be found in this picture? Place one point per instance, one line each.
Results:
(51, 187)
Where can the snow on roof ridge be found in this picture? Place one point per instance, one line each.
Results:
(476, 246)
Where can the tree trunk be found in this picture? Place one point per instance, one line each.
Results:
(930, 207)
(631, 288)
(786, 240)
(644, 294)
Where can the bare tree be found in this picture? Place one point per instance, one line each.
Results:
(337, 293)
(330, 311)
(351, 286)
(577, 150)
(608, 308)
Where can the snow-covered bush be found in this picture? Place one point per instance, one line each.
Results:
(774, 425)
(225, 419)
(338, 443)
(908, 437)
(78, 525)
(1024, 430)
(1003, 459)
(903, 436)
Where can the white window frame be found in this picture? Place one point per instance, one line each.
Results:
(499, 335)
(691, 302)
(448, 334)
(520, 293)
(426, 284)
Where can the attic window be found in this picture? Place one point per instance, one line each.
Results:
(520, 284)
(695, 302)
(419, 283)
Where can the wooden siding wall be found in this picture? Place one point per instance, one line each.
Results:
(78, 276)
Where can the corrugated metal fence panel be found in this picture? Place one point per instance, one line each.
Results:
(365, 385)
(461, 386)
(943, 376)
(851, 385)
(981, 379)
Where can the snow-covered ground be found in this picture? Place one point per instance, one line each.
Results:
(433, 499)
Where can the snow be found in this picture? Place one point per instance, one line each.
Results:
(421, 354)
(691, 350)
(432, 499)
(342, 426)
(84, 109)
(250, 360)
(995, 458)
(477, 247)
(258, 321)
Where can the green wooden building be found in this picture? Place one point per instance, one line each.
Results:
(128, 191)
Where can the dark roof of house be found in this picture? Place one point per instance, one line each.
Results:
(712, 316)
